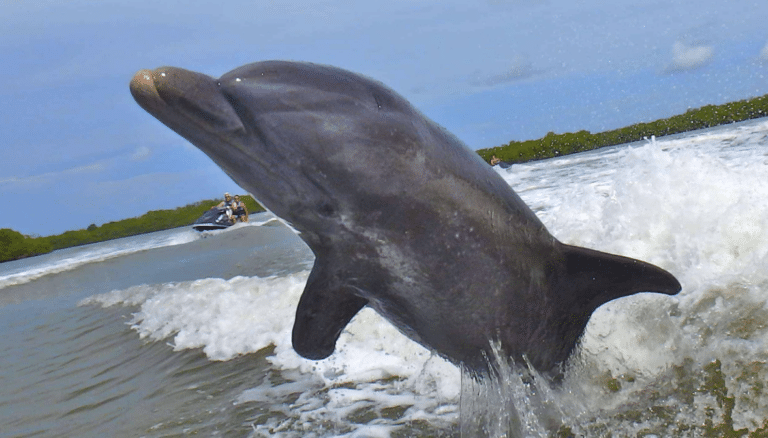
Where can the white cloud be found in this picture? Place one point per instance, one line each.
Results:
(141, 153)
(685, 57)
(764, 53)
(96, 167)
(51, 177)
(11, 180)
(519, 69)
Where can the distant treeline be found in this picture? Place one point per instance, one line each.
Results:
(14, 245)
(553, 145)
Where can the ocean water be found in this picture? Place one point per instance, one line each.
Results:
(180, 333)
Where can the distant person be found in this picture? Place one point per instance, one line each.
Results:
(228, 205)
(241, 212)
(495, 160)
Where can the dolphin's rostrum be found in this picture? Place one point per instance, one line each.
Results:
(400, 214)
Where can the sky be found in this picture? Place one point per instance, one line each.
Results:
(76, 149)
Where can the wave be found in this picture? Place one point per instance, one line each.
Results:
(72, 258)
(228, 318)
(30, 269)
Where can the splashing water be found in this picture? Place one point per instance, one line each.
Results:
(647, 365)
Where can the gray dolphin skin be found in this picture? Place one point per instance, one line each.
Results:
(400, 214)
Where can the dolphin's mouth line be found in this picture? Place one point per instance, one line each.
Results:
(183, 111)
(144, 84)
(197, 113)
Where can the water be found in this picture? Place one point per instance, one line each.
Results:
(179, 333)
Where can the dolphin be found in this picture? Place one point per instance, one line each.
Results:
(400, 215)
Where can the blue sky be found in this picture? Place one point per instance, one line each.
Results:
(77, 150)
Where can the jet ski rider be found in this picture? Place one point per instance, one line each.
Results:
(228, 204)
(239, 209)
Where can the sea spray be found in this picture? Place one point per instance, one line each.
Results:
(512, 400)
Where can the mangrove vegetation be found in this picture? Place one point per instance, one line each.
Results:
(14, 245)
(553, 145)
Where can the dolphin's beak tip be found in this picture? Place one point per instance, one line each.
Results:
(143, 87)
(142, 78)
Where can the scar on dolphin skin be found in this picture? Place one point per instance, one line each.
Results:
(400, 214)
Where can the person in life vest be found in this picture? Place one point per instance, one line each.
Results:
(228, 205)
(240, 211)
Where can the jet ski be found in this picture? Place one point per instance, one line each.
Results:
(214, 219)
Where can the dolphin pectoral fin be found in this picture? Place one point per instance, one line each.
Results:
(325, 308)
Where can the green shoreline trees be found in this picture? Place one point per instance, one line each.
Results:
(553, 145)
(14, 245)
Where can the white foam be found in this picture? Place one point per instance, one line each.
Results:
(682, 208)
(694, 206)
(227, 318)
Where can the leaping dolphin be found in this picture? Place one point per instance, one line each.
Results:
(400, 214)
